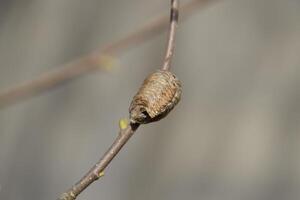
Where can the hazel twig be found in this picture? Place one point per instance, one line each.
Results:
(126, 131)
(97, 170)
(92, 61)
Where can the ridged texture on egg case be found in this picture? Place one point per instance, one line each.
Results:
(158, 95)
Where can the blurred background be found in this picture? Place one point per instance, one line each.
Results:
(234, 135)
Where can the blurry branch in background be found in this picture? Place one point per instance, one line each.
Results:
(128, 129)
(93, 61)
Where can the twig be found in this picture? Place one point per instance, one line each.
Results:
(97, 171)
(172, 30)
(92, 61)
(126, 131)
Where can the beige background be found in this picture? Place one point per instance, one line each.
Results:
(234, 135)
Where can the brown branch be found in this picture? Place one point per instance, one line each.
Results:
(126, 131)
(92, 61)
(172, 30)
(97, 171)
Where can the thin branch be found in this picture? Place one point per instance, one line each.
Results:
(92, 61)
(97, 171)
(172, 31)
(125, 131)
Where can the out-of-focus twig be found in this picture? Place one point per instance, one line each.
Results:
(92, 61)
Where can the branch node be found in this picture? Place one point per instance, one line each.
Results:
(66, 196)
(101, 174)
(123, 124)
(107, 61)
